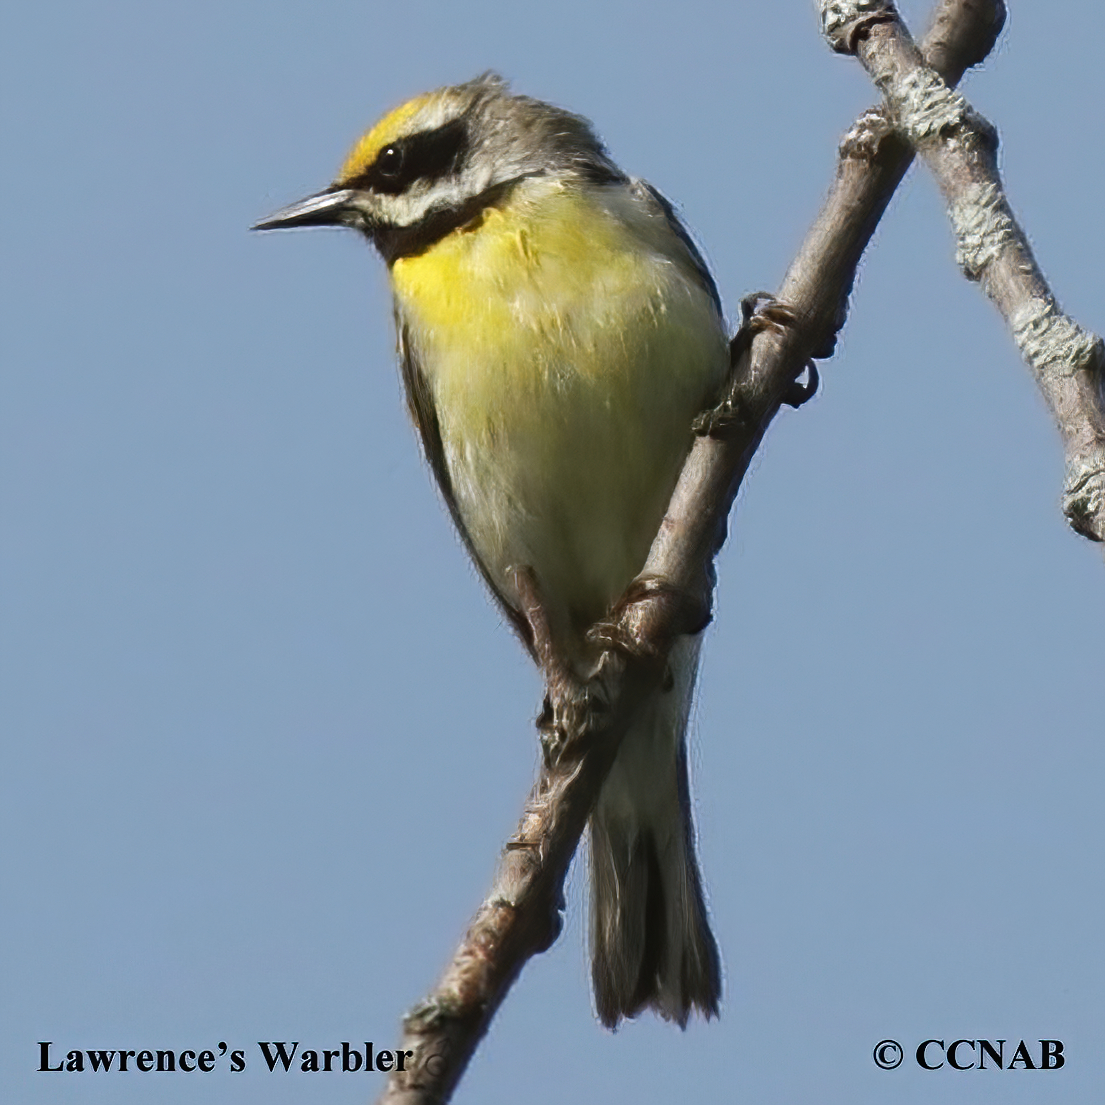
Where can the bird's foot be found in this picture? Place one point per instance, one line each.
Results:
(760, 312)
(569, 715)
(798, 394)
(626, 627)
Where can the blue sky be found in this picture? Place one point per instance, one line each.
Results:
(263, 732)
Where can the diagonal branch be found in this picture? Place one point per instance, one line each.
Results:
(521, 915)
(960, 147)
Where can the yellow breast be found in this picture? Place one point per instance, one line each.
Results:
(568, 343)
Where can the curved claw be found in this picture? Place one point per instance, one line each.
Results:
(797, 394)
(690, 614)
(760, 311)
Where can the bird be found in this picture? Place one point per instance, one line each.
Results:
(558, 331)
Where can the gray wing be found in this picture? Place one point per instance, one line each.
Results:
(655, 198)
(420, 404)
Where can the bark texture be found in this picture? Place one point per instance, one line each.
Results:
(960, 147)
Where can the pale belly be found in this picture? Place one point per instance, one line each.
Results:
(566, 367)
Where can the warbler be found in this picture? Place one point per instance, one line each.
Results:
(558, 331)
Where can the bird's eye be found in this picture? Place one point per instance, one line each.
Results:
(390, 161)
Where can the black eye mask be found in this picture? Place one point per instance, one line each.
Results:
(430, 155)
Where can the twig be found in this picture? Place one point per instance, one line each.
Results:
(960, 147)
(521, 916)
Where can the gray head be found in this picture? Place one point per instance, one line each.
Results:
(432, 164)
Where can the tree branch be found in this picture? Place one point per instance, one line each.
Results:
(960, 148)
(521, 915)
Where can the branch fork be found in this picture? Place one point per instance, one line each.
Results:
(960, 147)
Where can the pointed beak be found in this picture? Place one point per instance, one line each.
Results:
(329, 208)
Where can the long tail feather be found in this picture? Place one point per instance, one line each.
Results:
(651, 940)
